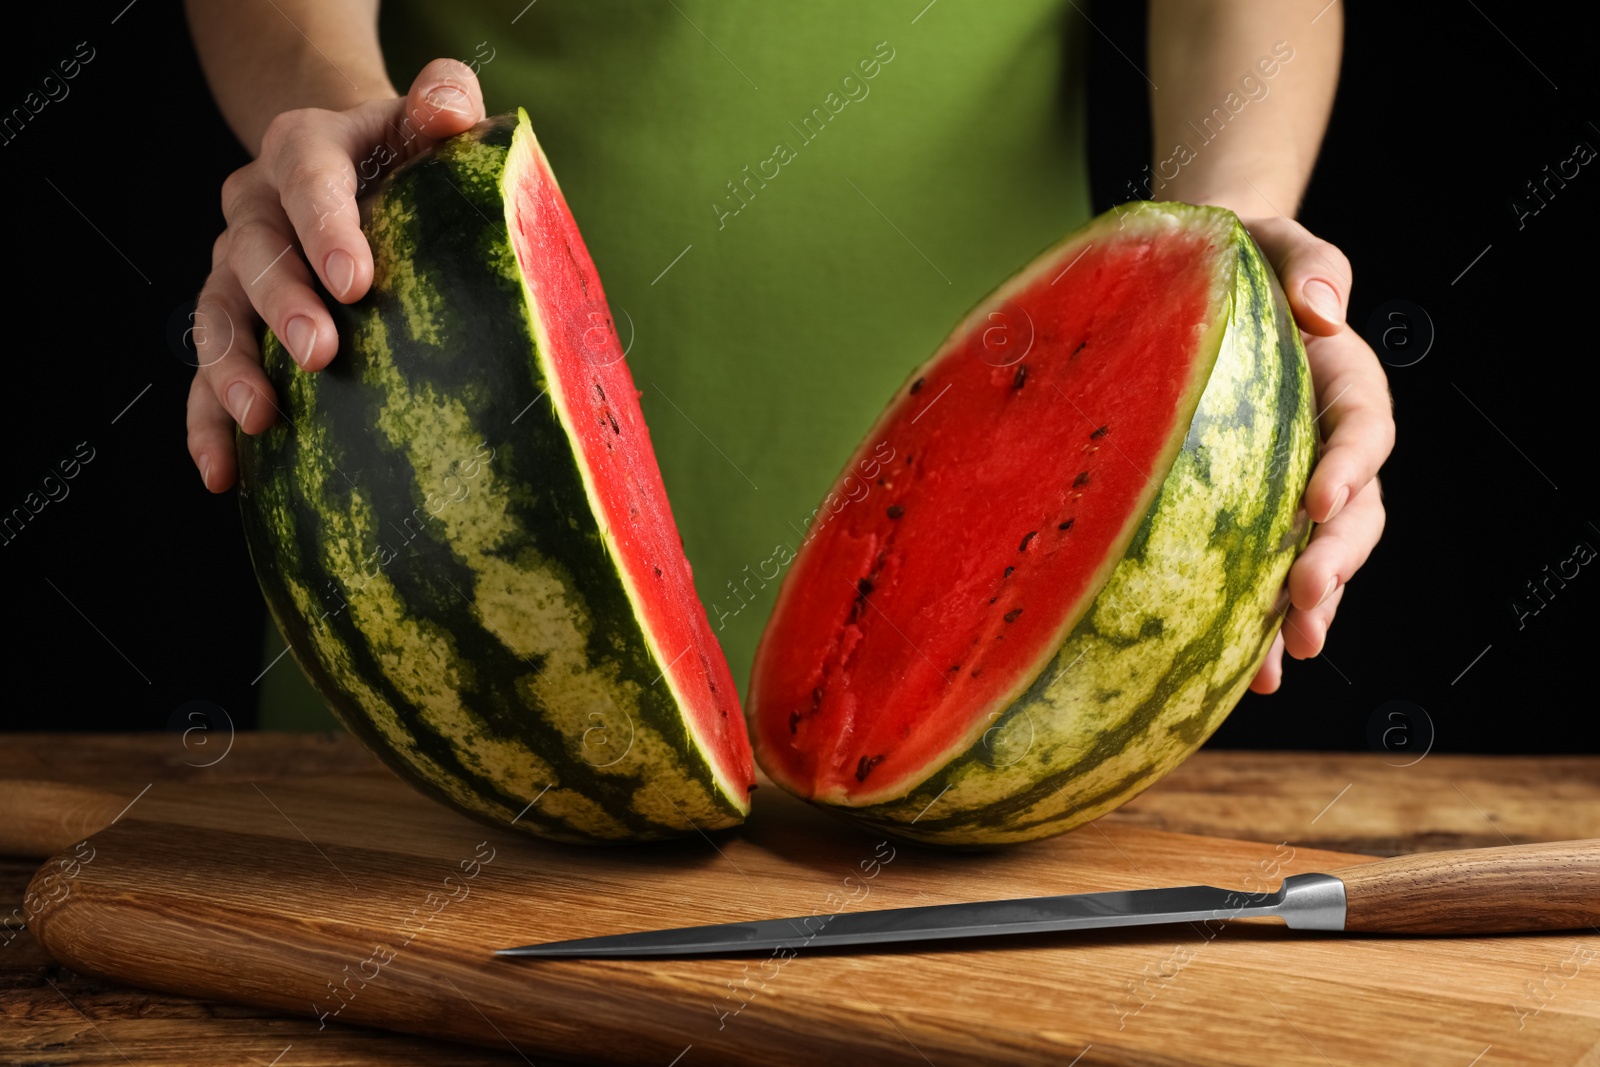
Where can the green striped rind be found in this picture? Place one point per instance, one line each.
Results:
(486, 647)
(1181, 626)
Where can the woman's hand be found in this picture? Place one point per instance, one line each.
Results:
(290, 213)
(1357, 429)
(1281, 58)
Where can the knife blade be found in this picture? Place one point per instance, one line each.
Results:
(1505, 889)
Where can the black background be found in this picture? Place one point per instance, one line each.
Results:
(134, 595)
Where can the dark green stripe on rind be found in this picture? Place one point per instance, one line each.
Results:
(496, 659)
(1183, 624)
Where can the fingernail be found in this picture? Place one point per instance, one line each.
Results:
(205, 470)
(1333, 583)
(301, 336)
(340, 270)
(1338, 502)
(447, 98)
(1323, 300)
(240, 398)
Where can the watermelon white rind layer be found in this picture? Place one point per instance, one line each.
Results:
(485, 588)
(1175, 621)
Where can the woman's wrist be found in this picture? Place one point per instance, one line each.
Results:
(261, 61)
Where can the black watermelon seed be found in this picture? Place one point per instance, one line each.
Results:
(794, 722)
(916, 385)
(612, 419)
(1022, 376)
(864, 586)
(816, 698)
(894, 511)
(956, 667)
(865, 764)
(752, 787)
(1101, 432)
(993, 599)
(1008, 572)
(657, 570)
(1024, 546)
(1081, 346)
(1081, 479)
(1066, 525)
(1011, 616)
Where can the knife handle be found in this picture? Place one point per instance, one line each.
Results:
(1548, 886)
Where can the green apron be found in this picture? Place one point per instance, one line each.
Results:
(790, 205)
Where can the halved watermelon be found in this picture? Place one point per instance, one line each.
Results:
(1068, 572)
(460, 527)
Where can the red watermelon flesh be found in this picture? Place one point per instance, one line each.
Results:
(1024, 455)
(593, 384)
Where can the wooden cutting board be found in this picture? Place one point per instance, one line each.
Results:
(355, 900)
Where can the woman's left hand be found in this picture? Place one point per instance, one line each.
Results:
(1356, 423)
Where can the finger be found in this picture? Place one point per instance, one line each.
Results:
(1316, 276)
(230, 363)
(323, 160)
(1270, 676)
(229, 384)
(1338, 549)
(1356, 417)
(1305, 632)
(268, 268)
(309, 153)
(210, 438)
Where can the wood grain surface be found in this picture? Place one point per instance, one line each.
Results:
(1373, 803)
(1531, 1007)
(57, 789)
(353, 899)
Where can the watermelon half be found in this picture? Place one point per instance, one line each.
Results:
(461, 530)
(1070, 559)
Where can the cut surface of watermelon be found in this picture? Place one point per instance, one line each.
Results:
(582, 359)
(918, 614)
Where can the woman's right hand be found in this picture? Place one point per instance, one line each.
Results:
(290, 211)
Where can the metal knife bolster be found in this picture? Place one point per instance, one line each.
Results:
(1309, 902)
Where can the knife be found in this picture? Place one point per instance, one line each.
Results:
(1514, 888)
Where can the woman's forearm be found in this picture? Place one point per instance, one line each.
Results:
(1244, 92)
(263, 57)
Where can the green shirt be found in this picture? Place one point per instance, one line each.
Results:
(790, 206)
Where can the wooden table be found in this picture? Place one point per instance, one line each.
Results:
(49, 1015)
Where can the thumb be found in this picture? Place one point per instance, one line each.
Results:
(1315, 275)
(445, 99)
